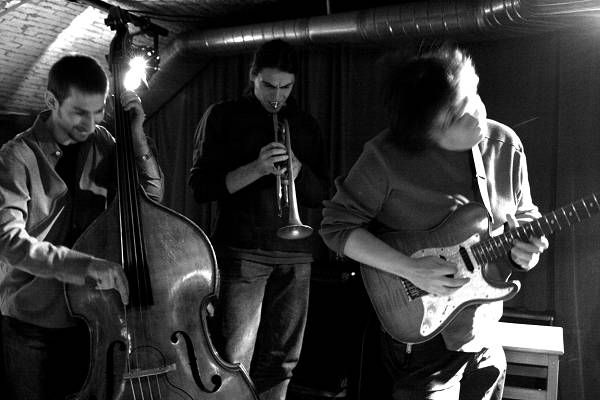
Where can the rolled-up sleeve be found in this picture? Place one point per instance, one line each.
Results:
(151, 175)
(357, 201)
(526, 210)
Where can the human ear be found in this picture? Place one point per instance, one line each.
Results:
(51, 100)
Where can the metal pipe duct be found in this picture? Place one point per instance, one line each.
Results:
(468, 19)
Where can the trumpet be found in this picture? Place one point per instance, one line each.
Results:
(285, 189)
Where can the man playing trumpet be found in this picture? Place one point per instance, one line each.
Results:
(239, 163)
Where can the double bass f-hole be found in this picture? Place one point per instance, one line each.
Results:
(158, 347)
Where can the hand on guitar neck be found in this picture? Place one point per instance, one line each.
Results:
(526, 254)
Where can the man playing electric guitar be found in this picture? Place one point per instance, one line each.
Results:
(441, 171)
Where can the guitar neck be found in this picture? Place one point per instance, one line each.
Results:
(497, 246)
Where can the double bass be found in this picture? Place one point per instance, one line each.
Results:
(158, 346)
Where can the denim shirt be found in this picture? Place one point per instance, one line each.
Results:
(35, 218)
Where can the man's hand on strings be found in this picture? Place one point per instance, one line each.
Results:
(105, 275)
(435, 275)
(132, 103)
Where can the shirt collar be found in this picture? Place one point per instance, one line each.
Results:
(44, 137)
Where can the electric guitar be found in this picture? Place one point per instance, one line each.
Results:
(411, 315)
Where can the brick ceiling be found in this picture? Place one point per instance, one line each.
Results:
(35, 33)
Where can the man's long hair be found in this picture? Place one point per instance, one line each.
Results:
(77, 71)
(276, 54)
(416, 90)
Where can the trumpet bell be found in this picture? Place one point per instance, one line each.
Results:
(296, 231)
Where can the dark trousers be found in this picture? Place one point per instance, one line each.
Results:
(430, 371)
(42, 363)
(261, 319)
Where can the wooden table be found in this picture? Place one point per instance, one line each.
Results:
(532, 351)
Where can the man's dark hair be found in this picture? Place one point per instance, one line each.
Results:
(274, 54)
(417, 90)
(76, 71)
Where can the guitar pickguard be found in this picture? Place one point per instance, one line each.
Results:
(437, 309)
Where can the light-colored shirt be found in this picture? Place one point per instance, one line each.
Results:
(37, 213)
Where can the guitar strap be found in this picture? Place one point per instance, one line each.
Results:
(482, 180)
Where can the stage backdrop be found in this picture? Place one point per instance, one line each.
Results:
(547, 87)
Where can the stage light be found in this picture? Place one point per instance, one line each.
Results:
(136, 73)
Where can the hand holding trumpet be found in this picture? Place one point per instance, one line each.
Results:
(269, 157)
(272, 156)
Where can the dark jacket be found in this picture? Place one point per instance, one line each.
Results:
(230, 135)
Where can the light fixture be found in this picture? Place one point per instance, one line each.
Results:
(136, 73)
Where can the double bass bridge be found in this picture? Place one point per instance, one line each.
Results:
(146, 373)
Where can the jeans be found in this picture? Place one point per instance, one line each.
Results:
(432, 372)
(261, 316)
(42, 363)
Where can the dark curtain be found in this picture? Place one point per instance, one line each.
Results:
(546, 87)
(173, 128)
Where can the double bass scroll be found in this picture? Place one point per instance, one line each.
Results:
(158, 346)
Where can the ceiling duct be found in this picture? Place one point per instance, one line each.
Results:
(470, 19)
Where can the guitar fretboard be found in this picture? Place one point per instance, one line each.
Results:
(497, 246)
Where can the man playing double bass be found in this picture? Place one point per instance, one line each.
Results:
(55, 179)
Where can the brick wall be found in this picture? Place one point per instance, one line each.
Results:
(34, 35)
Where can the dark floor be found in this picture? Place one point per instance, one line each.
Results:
(339, 355)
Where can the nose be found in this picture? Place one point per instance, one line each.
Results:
(470, 117)
(88, 122)
(279, 94)
(476, 108)
(472, 114)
